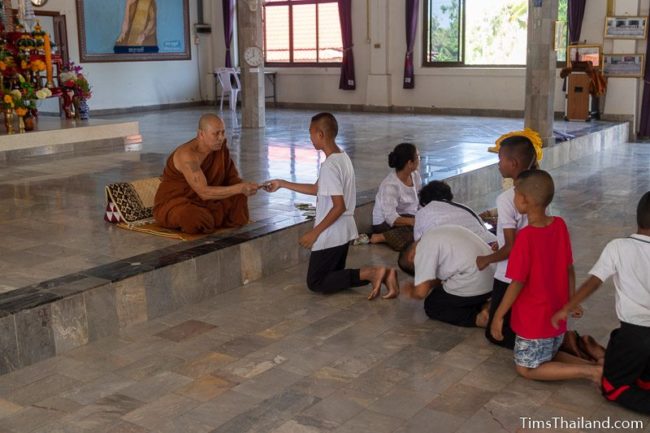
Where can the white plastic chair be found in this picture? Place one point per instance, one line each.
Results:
(225, 77)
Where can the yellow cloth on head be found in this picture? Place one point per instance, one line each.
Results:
(530, 134)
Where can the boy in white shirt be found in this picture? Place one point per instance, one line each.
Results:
(626, 374)
(334, 226)
(443, 263)
(516, 155)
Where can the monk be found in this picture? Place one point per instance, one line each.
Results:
(200, 189)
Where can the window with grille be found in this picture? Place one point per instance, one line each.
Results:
(302, 33)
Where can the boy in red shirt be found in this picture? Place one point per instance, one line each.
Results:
(541, 269)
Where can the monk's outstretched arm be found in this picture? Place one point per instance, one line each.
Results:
(194, 176)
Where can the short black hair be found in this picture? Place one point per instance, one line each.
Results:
(436, 190)
(643, 212)
(520, 148)
(403, 153)
(326, 123)
(403, 263)
(538, 185)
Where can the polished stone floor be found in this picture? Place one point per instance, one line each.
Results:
(51, 206)
(272, 357)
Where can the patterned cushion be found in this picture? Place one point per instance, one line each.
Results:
(112, 215)
(133, 200)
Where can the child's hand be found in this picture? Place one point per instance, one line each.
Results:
(271, 185)
(482, 262)
(407, 289)
(577, 312)
(558, 317)
(497, 328)
(308, 239)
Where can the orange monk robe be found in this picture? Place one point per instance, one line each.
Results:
(177, 206)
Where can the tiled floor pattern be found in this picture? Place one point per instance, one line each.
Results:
(51, 207)
(272, 357)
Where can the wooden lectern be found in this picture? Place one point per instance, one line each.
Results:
(578, 99)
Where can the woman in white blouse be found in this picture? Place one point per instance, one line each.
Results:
(397, 199)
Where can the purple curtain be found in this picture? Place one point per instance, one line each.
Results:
(347, 81)
(576, 14)
(644, 123)
(412, 7)
(228, 12)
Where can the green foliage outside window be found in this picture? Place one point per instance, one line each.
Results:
(479, 32)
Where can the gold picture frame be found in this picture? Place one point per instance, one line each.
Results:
(624, 65)
(626, 27)
(585, 53)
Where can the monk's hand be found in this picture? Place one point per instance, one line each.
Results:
(308, 239)
(248, 188)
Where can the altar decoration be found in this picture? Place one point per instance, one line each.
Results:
(30, 71)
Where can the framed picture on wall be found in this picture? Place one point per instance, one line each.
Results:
(626, 27)
(133, 30)
(623, 65)
(585, 53)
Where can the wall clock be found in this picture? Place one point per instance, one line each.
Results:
(253, 56)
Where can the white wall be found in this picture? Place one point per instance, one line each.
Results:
(129, 84)
(379, 70)
(379, 61)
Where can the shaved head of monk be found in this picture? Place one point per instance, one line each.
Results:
(211, 134)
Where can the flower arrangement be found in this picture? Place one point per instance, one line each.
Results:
(73, 79)
(23, 99)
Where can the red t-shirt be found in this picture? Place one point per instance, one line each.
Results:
(540, 259)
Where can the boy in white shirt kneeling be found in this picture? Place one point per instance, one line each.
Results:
(334, 226)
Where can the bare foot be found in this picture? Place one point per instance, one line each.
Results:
(592, 348)
(597, 374)
(377, 238)
(376, 277)
(391, 284)
(482, 318)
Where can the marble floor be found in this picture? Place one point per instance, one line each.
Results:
(272, 357)
(51, 206)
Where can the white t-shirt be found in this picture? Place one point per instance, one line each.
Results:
(508, 218)
(628, 260)
(394, 199)
(448, 253)
(440, 213)
(336, 177)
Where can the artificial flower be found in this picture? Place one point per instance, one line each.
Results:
(67, 76)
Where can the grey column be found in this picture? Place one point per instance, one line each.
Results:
(540, 68)
(250, 34)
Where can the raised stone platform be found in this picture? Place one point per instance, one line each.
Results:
(56, 135)
(49, 318)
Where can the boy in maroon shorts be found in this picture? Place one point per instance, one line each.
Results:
(541, 269)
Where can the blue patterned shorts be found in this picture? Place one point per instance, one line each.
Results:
(533, 353)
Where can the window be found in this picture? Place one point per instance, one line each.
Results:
(302, 32)
(479, 32)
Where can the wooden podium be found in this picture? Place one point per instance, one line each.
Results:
(578, 99)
